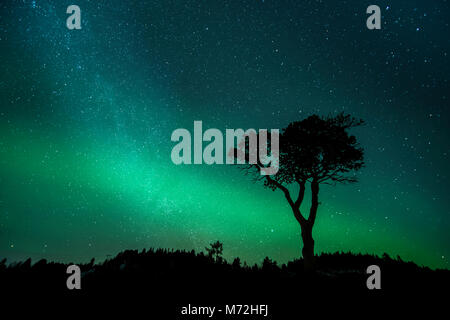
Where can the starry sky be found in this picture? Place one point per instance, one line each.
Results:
(86, 117)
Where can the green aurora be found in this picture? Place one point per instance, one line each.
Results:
(86, 118)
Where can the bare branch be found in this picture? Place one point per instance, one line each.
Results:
(301, 193)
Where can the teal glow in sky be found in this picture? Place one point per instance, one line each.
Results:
(86, 117)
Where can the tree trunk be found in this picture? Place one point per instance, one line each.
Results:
(305, 224)
(308, 247)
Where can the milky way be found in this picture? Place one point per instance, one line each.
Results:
(86, 118)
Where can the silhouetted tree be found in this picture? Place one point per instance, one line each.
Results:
(3, 264)
(316, 150)
(236, 263)
(269, 264)
(215, 250)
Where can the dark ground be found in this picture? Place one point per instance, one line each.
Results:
(160, 282)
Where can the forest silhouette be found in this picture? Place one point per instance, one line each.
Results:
(133, 269)
(165, 280)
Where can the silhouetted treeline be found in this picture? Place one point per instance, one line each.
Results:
(159, 269)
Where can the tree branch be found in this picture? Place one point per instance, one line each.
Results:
(295, 206)
(314, 202)
(301, 193)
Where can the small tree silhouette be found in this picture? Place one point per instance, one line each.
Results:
(269, 264)
(316, 150)
(215, 251)
(236, 263)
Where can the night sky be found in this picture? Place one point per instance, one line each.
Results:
(86, 118)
